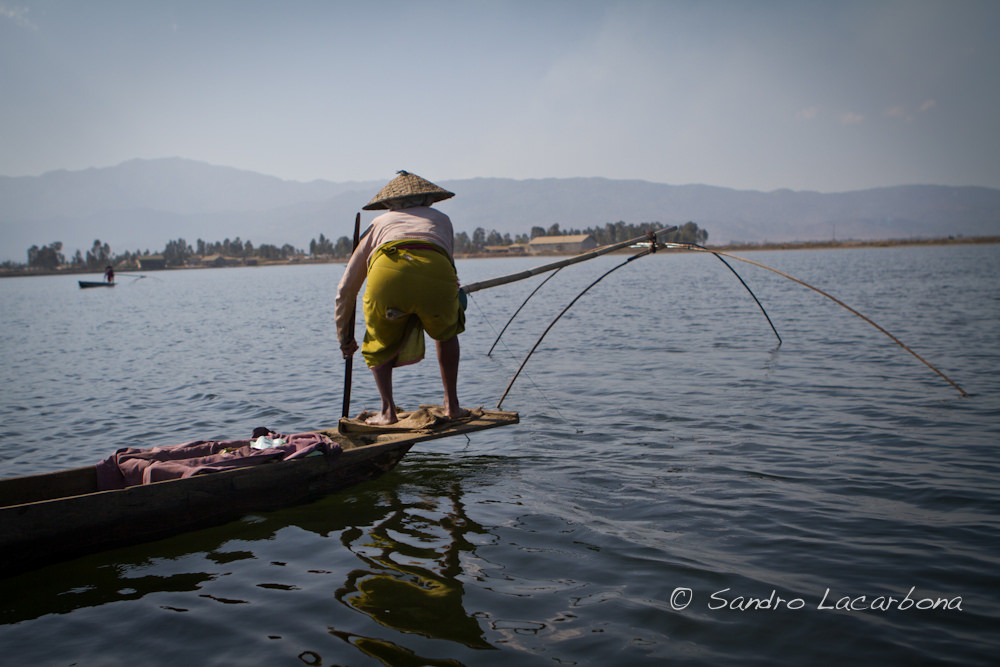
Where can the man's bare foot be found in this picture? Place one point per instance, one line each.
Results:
(456, 413)
(381, 420)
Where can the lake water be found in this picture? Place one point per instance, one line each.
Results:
(672, 463)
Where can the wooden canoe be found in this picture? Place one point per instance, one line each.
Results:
(87, 283)
(56, 516)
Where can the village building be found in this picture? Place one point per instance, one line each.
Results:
(151, 262)
(512, 249)
(218, 260)
(570, 244)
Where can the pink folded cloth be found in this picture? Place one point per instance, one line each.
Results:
(130, 466)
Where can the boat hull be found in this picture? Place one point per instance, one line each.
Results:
(57, 516)
(86, 284)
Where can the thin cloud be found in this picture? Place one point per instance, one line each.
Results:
(19, 15)
(851, 118)
(807, 114)
(899, 112)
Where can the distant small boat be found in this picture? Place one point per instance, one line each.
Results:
(85, 284)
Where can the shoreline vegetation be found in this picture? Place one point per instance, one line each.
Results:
(25, 270)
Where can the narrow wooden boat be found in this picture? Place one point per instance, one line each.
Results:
(56, 516)
(84, 284)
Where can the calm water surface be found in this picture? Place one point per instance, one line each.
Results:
(680, 487)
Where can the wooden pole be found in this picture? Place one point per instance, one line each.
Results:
(514, 277)
(348, 371)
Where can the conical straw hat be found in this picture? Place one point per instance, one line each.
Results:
(407, 185)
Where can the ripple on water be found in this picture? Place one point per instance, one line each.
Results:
(666, 444)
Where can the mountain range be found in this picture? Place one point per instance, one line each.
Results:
(143, 204)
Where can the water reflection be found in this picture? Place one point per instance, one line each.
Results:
(411, 579)
(39, 593)
(385, 651)
(395, 550)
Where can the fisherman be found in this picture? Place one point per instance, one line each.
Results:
(109, 274)
(406, 256)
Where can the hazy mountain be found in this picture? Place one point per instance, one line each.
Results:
(142, 204)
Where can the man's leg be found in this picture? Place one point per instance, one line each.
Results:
(449, 353)
(383, 382)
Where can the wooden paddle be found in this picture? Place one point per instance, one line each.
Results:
(350, 360)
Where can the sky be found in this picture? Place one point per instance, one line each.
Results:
(749, 94)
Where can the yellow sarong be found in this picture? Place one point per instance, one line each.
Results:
(412, 287)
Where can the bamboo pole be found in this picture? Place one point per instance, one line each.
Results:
(514, 277)
(348, 370)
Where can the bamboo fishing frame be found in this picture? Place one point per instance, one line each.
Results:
(523, 304)
(693, 246)
(503, 280)
(651, 250)
(582, 257)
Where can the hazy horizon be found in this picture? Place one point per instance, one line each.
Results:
(473, 177)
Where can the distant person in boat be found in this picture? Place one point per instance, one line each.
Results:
(406, 256)
(109, 274)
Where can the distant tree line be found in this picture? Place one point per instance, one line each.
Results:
(179, 253)
(612, 232)
(51, 257)
(176, 253)
(617, 232)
